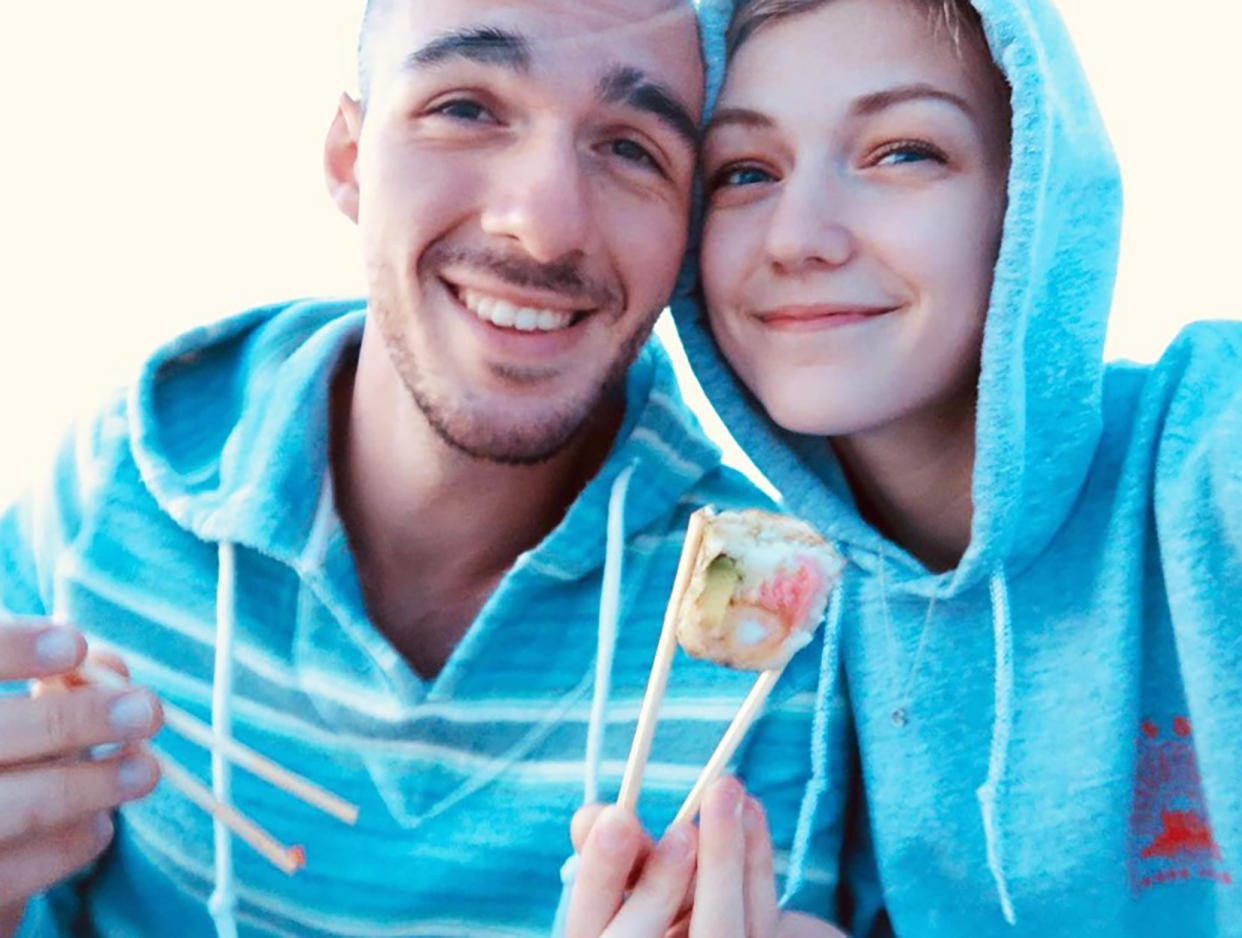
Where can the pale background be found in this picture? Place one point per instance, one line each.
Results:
(161, 168)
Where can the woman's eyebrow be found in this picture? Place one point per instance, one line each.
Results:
(877, 101)
(864, 106)
(737, 117)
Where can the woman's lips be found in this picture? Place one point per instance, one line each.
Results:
(811, 317)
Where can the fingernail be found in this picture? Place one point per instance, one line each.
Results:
(134, 775)
(752, 815)
(57, 649)
(613, 831)
(675, 846)
(727, 801)
(132, 713)
(103, 827)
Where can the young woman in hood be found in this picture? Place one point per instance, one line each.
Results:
(1033, 675)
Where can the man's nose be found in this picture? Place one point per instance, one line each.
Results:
(540, 199)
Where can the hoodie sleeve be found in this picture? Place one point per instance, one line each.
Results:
(37, 530)
(1198, 482)
(1198, 511)
(36, 533)
(32, 532)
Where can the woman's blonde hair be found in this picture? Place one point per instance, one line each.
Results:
(954, 18)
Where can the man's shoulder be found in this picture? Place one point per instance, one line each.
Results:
(180, 411)
(671, 433)
(243, 343)
(727, 488)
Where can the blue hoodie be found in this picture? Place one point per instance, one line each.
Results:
(192, 530)
(1070, 762)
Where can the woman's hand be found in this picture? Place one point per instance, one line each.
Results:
(628, 888)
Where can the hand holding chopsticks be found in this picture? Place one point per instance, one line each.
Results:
(55, 808)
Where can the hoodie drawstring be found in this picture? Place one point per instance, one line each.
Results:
(605, 648)
(223, 902)
(818, 784)
(1002, 727)
(606, 643)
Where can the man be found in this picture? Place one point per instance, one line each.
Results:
(370, 541)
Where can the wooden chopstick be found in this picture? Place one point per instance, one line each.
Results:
(288, 859)
(648, 716)
(746, 715)
(242, 755)
(199, 732)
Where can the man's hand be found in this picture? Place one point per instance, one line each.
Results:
(55, 803)
(628, 889)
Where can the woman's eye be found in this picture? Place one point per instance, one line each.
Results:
(741, 176)
(909, 152)
(463, 110)
(633, 152)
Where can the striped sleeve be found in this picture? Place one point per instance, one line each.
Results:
(35, 532)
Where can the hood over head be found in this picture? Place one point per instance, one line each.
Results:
(1040, 389)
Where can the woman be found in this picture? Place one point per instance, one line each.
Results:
(907, 260)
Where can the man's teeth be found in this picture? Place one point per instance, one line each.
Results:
(523, 318)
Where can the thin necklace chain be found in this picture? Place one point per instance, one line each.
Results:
(901, 712)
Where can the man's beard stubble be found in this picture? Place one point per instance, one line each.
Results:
(502, 441)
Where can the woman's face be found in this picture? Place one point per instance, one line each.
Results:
(856, 169)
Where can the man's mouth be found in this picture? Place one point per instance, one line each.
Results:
(505, 314)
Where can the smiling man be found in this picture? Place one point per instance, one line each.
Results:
(520, 175)
(370, 538)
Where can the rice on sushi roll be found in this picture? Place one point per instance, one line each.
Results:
(757, 591)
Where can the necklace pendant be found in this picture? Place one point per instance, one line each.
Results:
(900, 718)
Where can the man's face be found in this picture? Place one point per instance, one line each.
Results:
(523, 180)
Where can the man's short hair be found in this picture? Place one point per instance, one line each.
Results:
(372, 14)
(372, 17)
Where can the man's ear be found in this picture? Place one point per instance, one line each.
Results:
(340, 156)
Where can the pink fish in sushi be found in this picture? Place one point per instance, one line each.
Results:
(758, 589)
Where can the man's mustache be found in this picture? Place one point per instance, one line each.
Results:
(564, 276)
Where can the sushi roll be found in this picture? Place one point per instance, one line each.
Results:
(757, 591)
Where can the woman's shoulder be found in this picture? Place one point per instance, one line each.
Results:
(1189, 396)
(1180, 422)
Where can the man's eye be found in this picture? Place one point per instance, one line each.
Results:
(633, 152)
(462, 109)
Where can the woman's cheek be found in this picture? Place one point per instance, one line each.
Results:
(724, 260)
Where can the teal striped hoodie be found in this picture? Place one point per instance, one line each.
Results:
(202, 501)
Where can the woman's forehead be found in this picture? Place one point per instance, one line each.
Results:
(846, 49)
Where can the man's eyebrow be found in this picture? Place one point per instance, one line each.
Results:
(737, 117)
(489, 45)
(631, 86)
(870, 104)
